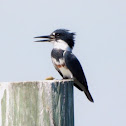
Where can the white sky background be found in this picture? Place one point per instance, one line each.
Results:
(100, 46)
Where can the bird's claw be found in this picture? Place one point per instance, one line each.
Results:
(50, 78)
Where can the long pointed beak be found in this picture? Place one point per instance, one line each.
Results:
(46, 40)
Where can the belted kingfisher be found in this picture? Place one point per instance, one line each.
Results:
(64, 61)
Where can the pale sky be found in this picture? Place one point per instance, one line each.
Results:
(100, 27)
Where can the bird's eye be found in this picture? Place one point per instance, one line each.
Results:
(57, 34)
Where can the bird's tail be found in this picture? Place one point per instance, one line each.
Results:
(87, 93)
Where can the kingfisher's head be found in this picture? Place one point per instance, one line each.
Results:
(61, 38)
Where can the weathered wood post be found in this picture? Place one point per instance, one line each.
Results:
(38, 103)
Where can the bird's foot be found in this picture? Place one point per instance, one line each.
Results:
(50, 78)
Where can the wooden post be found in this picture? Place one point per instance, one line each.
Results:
(38, 103)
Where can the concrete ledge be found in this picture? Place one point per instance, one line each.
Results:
(37, 103)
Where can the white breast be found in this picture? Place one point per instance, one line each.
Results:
(66, 72)
(60, 65)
